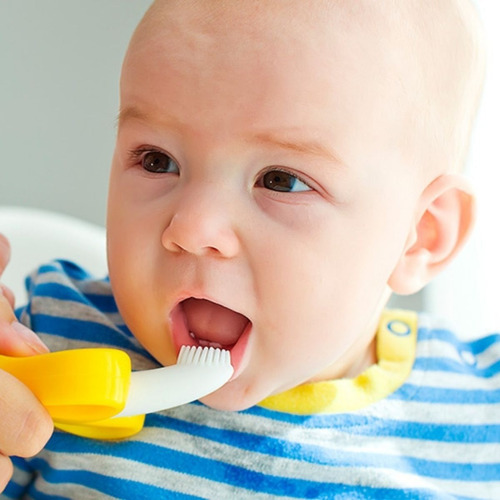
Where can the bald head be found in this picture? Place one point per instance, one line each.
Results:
(427, 56)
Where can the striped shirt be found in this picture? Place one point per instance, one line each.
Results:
(436, 436)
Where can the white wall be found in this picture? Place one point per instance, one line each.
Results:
(59, 68)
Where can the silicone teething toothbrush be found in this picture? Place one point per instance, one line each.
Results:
(93, 393)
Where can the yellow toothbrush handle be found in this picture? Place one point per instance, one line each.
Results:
(111, 428)
(81, 389)
(75, 386)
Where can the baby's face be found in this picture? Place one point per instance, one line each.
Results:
(259, 199)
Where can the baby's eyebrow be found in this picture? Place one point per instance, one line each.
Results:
(128, 113)
(134, 113)
(307, 147)
(269, 138)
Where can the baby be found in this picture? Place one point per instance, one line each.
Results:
(281, 168)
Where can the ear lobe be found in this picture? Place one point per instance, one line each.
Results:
(444, 219)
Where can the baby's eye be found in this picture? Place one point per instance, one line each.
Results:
(280, 180)
(159, 163)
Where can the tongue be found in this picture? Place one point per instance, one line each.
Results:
(212, 322)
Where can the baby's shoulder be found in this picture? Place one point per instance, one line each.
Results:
(66, 281)
(70, 308)
(440, 345)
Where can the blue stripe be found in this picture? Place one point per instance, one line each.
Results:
(476, 346)
(61, 292)
(372, 426)
(14, 490)
(399, 429)
(480, 345)
(84, 330)
(446, 433)
(425, 394)
(105, 303)
(70, 270)
(21, 464)
(62, 266)
(108, 485)
(452, 366)
(220, 472)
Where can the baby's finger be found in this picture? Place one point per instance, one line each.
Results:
(25, 426)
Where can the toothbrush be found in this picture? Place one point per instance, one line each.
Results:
(93, 392)
(198, 372)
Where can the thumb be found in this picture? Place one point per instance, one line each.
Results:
(15, 338)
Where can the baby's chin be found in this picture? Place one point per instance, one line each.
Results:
(224, 404)
(233, 398)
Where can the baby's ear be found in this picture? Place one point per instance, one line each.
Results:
(444, 219)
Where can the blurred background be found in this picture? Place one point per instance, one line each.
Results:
(59, 70)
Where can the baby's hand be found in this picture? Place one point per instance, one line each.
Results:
(25, 425)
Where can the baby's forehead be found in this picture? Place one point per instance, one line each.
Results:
(403, 28)
(311, 14)
(251, 16)
(387, 37)
(421, 51)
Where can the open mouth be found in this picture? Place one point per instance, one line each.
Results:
(201, 322)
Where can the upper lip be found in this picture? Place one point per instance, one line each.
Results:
(202, 296)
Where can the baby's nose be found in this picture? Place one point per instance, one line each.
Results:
(202, 225)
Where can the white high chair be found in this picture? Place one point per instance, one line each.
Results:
(37, 236)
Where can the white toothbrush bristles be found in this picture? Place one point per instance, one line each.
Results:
(197, 355)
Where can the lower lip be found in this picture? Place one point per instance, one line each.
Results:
(181, 337)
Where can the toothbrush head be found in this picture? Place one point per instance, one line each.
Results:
(197, 355)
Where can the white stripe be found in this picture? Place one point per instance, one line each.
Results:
(76, 491)
(445, 349)
(487, 491)
(54, 277)
(449, 380)
(70, 309)
(436, 413)
(96, 288)
(458, 453)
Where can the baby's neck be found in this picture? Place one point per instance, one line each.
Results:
(361, 362)
(355, 361)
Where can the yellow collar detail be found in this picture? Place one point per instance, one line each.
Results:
(396, 346)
